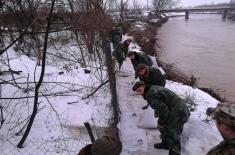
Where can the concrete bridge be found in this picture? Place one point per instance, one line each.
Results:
(223, 10)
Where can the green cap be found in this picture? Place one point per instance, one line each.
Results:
(140, 67)
(224, 112)
(137, 85)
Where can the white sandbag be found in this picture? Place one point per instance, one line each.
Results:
(148, 121)
(155, 64)
(162, 70)
(133, 83)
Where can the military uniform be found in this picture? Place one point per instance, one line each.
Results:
(116, 37)
(225, 113)
(154, 77)
(173, 113)
(140, 58)
(226, 147)
(120, 53)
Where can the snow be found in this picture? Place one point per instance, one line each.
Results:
(199, 135)
(59, 125)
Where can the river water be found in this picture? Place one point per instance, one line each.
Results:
(203, 46)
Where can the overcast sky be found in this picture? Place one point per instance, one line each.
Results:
(199, 2)
(187, 3)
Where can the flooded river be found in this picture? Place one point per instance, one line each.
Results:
(203, 46)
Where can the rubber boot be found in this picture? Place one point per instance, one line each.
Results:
(173, 153)
(161, 146)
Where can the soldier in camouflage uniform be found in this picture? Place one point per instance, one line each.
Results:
(150, 75)
(224, 114)
(121, 52)
(172, 111)
(139, 58)
(104, 146)
(116, 37)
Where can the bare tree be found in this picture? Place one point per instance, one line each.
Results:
(123, 6)
(164, 4)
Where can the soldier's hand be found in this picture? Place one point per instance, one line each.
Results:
(210, 111)
(159, 126)
(145, 107)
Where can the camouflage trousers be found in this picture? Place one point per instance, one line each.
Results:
(172, 137)
(116, 45)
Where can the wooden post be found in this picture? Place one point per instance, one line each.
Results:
(112, 81)
(88, 127)
(1, 109)
(187, 14)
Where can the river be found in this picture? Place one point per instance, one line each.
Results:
(203, 46)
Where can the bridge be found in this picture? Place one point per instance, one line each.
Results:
(223, 10)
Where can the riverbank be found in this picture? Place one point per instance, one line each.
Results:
(145, 34)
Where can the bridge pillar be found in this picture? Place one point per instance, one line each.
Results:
(186, 14)
(225, 14)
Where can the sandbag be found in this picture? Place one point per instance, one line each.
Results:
(148, 121)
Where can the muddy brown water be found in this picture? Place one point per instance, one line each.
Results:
(203, 46)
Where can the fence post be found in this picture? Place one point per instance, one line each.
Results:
(1, 108)
(89, 130)
(111, 73)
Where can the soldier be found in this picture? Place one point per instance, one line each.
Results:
(150, 75)
(121, 52)
(104, 146)
(224, 114)
(172, 111)
(139, 58)
(116, 37)
(125, 46)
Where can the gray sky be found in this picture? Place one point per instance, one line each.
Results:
(187, 3)
(199, 2)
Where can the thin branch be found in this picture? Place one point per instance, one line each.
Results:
(96, 90)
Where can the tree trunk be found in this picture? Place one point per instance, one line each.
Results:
(35, 107)
(76, 35)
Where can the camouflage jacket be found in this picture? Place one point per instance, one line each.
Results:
(116, 37)
(155, 77)
(141, 58)
(170, 108)
(120, 53)
(226, 147)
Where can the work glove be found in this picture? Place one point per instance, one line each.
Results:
(160, 127)
(145, 107)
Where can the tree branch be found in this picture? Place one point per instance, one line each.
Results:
(96, 90)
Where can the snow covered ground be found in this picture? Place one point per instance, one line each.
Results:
(199, 135)
(58, 127)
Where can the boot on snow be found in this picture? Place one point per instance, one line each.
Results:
(161, 146)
